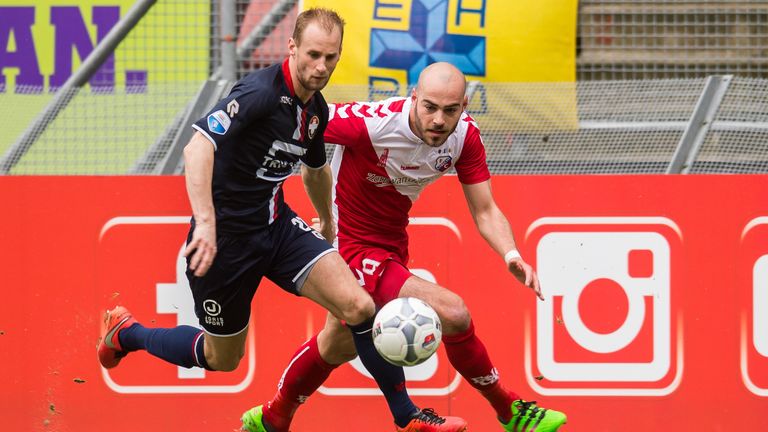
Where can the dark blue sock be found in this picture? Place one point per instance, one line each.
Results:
(390, 378)
(182, 345)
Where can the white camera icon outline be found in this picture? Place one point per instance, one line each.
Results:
(175, 389)
(562, 258)
(427, 366)
(759, 313)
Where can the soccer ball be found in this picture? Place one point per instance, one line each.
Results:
(406, 331)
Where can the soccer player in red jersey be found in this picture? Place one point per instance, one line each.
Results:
(387, 153)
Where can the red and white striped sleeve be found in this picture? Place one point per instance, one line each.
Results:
(346, 124)
(472, 167)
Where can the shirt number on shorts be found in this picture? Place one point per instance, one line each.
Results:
(369, 268)
(299, 222)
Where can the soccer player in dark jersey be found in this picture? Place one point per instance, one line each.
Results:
(242, 229)
(389, 152)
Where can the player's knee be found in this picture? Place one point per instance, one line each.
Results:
(223, 362)
(454, 315)
(359, 309)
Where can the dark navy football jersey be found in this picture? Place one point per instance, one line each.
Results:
(260, 131)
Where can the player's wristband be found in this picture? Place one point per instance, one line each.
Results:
(509, 256)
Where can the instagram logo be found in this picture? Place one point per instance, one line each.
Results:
(754, 329)
(606, 327)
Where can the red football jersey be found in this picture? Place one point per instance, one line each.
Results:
(380, 167)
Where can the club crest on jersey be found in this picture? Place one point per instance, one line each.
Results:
(443, 163)
(314, 122)
(219, 122)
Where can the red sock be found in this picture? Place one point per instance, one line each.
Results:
(304, 374)
(470, 358)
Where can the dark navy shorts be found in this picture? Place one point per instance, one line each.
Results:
(284, 252)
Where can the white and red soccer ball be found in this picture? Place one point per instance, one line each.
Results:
(406, 331)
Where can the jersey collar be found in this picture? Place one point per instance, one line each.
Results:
(289, 82)
(287, 77)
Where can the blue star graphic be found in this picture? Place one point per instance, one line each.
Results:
(426, 42)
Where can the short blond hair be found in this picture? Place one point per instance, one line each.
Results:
(328, 19)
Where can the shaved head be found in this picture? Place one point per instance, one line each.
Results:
(437, 103)
(443, 77)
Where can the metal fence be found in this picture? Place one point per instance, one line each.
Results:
(643, 102)
(603, 127)
(703, 125)
(616, 39)
(738, 141)
(106, 129)
(263, 29)
(651, 39)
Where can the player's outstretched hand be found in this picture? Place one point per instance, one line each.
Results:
(526, 275)
(202, 248)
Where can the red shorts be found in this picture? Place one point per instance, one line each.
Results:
(380, 272)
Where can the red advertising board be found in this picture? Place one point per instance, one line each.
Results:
(656, 315)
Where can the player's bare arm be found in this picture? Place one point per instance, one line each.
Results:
(198, 160)
(495, 229)
(318, 183)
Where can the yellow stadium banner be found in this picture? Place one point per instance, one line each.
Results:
(43, 41)
(388, 42)
(152, 75)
